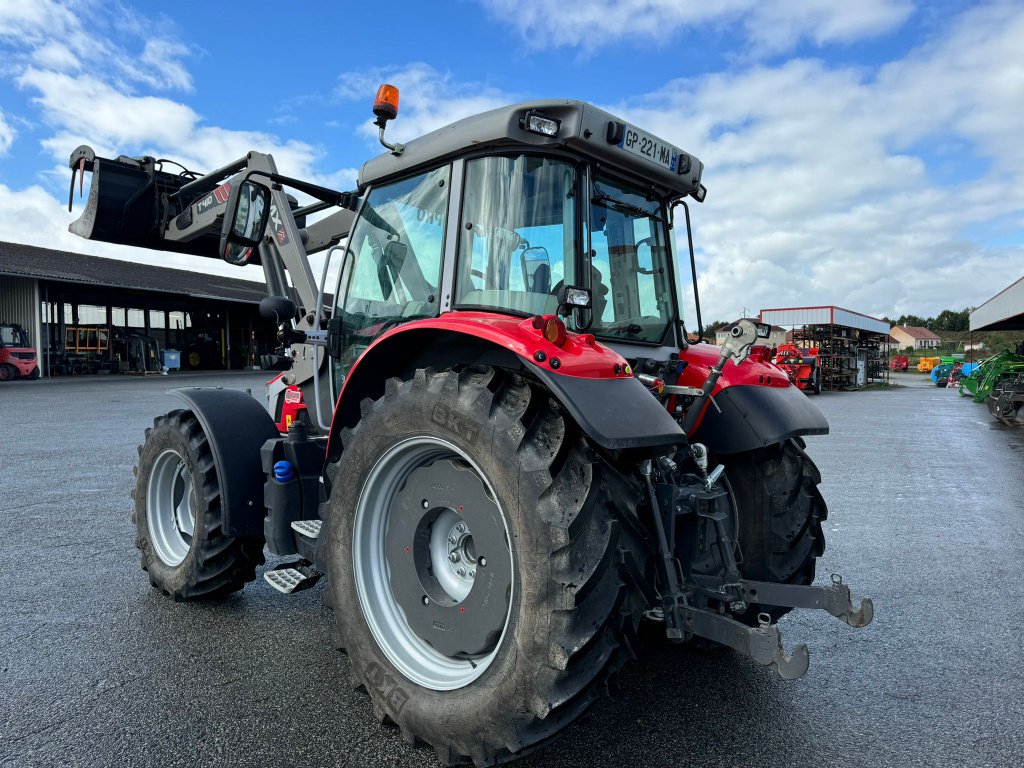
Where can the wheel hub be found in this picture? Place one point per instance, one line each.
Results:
(432, 563)
(434, 546)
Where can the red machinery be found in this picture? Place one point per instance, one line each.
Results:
(17, 357)
(801, 365)
(899, 363)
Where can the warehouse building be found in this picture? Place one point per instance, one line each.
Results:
(86, 314)
(1003, 312)
(852, 347)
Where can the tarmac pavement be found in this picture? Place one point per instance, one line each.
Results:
(98, 669)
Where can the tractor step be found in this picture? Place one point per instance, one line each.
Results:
(289, 578)
(308, 528)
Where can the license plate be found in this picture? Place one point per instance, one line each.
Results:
(649, 148)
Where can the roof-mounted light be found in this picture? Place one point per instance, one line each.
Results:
(572, 297)
(541, 125)
(385, 106)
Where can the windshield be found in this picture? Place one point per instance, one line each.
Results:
(518, 234)
(12, 336)
(394, 261)
(631, 282)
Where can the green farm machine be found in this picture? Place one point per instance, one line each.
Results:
(999, 383)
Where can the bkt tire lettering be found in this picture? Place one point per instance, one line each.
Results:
(456, 423)
(381, 681)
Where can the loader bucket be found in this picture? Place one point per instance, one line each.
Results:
(130, 203)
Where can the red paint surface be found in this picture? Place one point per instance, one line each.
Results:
(23, 367)
(581, 355)
(752, 372)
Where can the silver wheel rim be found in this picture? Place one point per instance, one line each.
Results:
(411, 655)
(170, 510)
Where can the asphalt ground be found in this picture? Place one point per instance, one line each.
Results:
(98, 669)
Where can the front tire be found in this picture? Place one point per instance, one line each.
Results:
(779, 512)
(8, 372)
(178, 515)
(488, 670)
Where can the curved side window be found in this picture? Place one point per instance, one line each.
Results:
(394, 263)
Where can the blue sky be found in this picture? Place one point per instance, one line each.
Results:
(865, 154)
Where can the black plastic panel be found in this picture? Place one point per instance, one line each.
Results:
(237, 426)
(617, 414)
(755, 417)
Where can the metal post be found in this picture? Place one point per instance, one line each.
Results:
(227, 334)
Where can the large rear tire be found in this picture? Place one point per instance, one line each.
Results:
(484, 666)
(779, 512)
(178, 515)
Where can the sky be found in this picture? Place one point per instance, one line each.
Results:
(867, 154)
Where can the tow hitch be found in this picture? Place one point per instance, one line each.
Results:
(698, 604)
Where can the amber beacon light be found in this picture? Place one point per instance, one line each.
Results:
(385, 106)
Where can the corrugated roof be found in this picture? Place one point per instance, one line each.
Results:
(916, 332)
(63, 266)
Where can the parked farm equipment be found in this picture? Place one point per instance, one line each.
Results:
(18, 359)
(899, 363)
(510, 458)
(926, 364)
(801, 365)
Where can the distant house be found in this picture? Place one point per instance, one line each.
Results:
(972, 346)
(914, 337)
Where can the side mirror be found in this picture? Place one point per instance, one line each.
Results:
(244, 222)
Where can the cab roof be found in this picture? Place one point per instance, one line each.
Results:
(582, 128)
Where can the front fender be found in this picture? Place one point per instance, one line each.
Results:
(754, 416)
(236, 426)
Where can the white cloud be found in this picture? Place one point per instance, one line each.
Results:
(65, 37)
(832, 185)
(428, 100)
(770, 26)
(7, 134)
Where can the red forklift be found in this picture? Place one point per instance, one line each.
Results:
(18, 358)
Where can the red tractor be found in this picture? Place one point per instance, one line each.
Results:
(510, 459)
(17, 357)
(801, 364)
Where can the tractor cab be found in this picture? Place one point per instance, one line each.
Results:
(545, 209)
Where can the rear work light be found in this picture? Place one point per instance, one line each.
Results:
(544, 126)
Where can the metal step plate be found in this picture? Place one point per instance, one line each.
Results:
(286, 580)
(308, 528)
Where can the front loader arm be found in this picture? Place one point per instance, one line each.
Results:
(134, 201)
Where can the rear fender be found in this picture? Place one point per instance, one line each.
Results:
(612, 408)
(237, 426)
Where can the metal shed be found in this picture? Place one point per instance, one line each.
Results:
(852, 347)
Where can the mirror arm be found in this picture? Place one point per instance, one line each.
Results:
(347, 200)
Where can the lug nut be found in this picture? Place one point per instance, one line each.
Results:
(452, 540)
(461, 571)
(472, 574)
(453, 556)
(460, 527)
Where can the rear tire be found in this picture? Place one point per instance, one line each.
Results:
(561, 623)
(779, 512)
(178, 515)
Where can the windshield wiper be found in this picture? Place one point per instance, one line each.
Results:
(602, 198)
